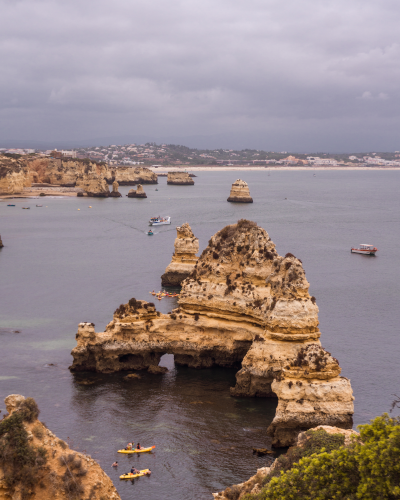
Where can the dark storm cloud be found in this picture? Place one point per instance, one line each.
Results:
(267, 74)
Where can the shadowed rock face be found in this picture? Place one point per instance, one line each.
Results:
(240, 192)
(138, 193)
(1, 243)
(180, 178)
(184, 258)
(243, 305)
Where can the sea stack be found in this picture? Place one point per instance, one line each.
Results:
(184, 258)
(138, 193)
(243, 306)
(36, 464)
(94, 185)
(179, 179)
(240, 192)
(1, 243)
(115, 193)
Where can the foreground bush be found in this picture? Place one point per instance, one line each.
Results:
(368, 469)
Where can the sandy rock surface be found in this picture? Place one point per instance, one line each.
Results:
(137, 193)
(180, 178)
(183, 259)
(240, 192)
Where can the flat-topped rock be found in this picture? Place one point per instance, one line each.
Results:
(180, 179)
(184, 258)
(131, 176)
(137, 193)
(240, 192)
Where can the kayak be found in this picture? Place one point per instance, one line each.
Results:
(143, 450)
(132, 476)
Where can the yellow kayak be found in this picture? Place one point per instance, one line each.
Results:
(143, 450)
(132, 476)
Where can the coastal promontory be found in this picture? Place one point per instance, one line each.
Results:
(240, 192)
(242, 306)
(35, 464)
(180, 179)
(183, 259)
(14, 175)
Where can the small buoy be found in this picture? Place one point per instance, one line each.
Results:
(78, 208)
(90, 206)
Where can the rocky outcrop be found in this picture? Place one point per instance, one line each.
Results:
(184, 258)
(180, 179)
(94, 185)
(137, 193)
(1, 243)
(130, 176)
(115, 193)
(36, 464)
(245, 306)
(14, 176)
(252, 486)
(240, 192)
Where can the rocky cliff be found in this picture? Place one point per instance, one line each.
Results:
(14, 175)
(130, 176)
(36, 465)
(179, 178)
(184, 258)
(244, 306)
(240, 192)
(1, 243)
(137, 193)
(94, 185)
(115, 193)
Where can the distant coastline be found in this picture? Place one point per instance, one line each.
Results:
(162, 171)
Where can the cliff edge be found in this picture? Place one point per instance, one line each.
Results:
(243, 306)
(184, 258)
(36, 465)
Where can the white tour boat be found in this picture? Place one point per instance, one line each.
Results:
(158, 221)
(365, 249)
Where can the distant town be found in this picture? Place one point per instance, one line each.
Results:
(154, 155)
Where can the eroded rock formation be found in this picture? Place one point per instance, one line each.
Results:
(137, 193)
(180, 178)
(1, 243)
(184, 258)
(14, 175)
(57, 472)
(94, 185)
(130, 176)
(115, 193)
(240, 192)
(243, 305)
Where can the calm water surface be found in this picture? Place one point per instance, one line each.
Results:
(61, 266)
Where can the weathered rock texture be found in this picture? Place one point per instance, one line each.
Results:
(179, 178)
(14, 175)
(65, 474)
(243, 305)
(115, 193)
(137, 193)
(184, 258)
(130, 176)
(94, 185)
(1, 243)
(240, 192)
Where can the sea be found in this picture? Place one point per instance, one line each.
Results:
(65, 262)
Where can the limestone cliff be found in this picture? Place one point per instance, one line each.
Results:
(36, 465)
(245, 306)
(14, 175)
(240, 192)
(94, 185)
(115, 193)
(180, 178)
(130, 176)
(137, 193)
(184, 258)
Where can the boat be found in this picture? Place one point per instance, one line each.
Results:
(39, 205)
(365, 249)
(150, 233)
(156, 189)
(143, 472)
(10, 205)
(143, 450)
(26, 208)
(158, 221)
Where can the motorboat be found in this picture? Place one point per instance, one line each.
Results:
(365, 249)
(9, 205)
(159, 221)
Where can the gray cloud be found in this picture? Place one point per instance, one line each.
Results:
(294, 75)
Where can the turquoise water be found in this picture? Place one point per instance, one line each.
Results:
(61, 266)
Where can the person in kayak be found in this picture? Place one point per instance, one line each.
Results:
(115, 464)
(138, 447)
(135, 471)
(129, 447)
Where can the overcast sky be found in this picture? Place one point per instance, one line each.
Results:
(294, 75)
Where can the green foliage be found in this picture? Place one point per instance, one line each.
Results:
(368, 469)
(20, 461)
